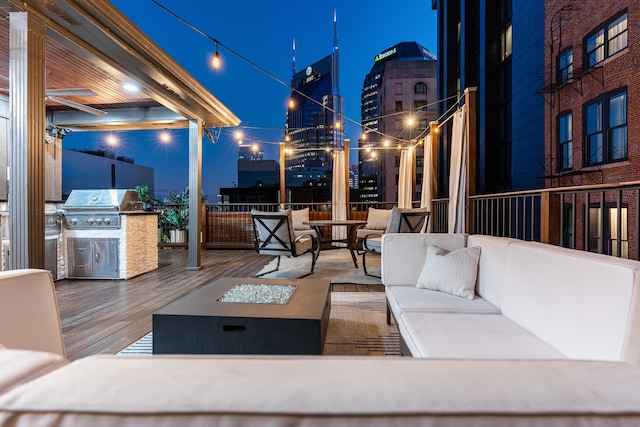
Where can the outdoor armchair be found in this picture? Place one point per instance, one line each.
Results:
(400, 221)
(274, 235)
(377, 223)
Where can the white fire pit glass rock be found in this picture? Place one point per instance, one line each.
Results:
(258, 294)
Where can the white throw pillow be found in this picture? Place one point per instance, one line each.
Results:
(377, 219)
(299, 216)
(451, 272)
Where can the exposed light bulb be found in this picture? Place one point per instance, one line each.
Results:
(291, 103)
(165, 136)
(216, 59)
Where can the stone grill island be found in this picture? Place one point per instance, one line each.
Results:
(108, 236)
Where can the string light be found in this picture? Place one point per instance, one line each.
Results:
(112, 139)
(165, 136)
(216, 64)
(216, 59)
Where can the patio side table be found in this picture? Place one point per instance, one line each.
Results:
(351, 225)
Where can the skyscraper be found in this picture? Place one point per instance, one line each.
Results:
(314, 124)
(397, 104)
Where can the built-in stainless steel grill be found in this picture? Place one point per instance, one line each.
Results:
(94, 236)
(86, 209)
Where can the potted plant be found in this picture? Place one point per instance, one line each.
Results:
(177, 219)
(174, 216)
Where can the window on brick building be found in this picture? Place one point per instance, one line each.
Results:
(398, 106)
(565, 141)
(420, 88)
(565, 66)
(398, 124)
(608, 230)
(606, 129)
(420, 105)
(607, 40)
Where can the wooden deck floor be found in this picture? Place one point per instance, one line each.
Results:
(105, 316)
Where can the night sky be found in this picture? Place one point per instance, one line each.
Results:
(261, 32)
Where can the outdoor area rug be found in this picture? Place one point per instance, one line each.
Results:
(357, 326)
(333, 264)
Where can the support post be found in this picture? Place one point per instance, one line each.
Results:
(347, 143)
(550, 217)
(27, 145)
(195, 195)
(283, 188)
(471, 136)
(433, 130)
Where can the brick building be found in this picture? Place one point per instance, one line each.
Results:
(592, 92)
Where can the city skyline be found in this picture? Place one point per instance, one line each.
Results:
(265, 38)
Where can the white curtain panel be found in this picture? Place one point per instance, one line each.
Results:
(458, 174)
(339, 193)
(428, 179)
(405, 178)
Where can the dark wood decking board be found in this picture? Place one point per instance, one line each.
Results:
(105, 316)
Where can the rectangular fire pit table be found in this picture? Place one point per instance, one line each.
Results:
(200, 323)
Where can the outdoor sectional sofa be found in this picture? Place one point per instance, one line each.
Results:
(560, 348)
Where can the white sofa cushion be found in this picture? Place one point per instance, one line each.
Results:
(471, 336)
(403, 254)
(410, 298)
(453, 272)
(586, 305)
(492, 265)
(21, 366)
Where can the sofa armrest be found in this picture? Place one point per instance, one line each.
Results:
(403, 254)
(29, 318)
(324, 391)
(21, 366)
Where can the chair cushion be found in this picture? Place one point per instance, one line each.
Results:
(453, 272)
(362, 233)
(373, 244)
(303, 245)
(284, 233)
(397, 225)
(299, 216)
(393, 225)
(377, 219)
